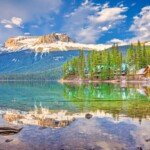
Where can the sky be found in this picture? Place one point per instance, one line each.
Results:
(85, 21)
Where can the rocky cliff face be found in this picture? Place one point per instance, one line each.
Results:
(52, 38)
(50, 42)
(11, 42)
(19, 42)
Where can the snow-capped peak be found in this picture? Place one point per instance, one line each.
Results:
(51, 42)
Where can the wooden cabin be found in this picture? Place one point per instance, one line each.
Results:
(144, 72)
(147, 72)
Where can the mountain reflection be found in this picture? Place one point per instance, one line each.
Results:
(132, 100)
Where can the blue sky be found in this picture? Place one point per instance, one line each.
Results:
(86, 21)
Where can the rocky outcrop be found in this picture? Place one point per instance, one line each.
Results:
(20, 42)
(11, 42)
(50, 42)
(52, 38)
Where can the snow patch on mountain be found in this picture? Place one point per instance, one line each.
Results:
(47, 43)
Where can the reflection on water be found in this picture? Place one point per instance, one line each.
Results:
(107, 91)
(132, 100)
(95, 133)
(120, 115)
(110, 98)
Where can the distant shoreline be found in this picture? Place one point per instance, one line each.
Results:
(80, 81)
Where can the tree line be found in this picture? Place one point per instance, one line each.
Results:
(107, 64)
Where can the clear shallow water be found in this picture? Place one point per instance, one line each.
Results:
(53, 95)
(123, 123)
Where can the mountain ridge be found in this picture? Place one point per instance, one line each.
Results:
(27, 65)
(50, 42)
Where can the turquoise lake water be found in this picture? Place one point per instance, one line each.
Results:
(53, 95)
(123, 121)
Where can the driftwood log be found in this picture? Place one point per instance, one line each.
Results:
(8, 130)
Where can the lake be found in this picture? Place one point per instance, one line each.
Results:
(120, 115)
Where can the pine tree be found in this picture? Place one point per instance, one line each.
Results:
(107, 64)
(90, 68)
(144, 63)
(131, 58)
(139, 56)
(81, 64)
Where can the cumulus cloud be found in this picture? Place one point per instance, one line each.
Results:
(14, 14)
(16, 21)
(89, 21)
(140, 28)
(108, 15)
(10, 23)
(118, 41)
(105, 28)
(28, 9)
(141, 25)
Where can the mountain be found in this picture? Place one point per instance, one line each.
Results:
(28, 65)
(40, 57)
(47, 43)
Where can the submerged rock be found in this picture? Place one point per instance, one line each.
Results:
(49, 122)
(42, 128)
(7, 130)
(8, 140)
(139, 148)
(147, 140)
(88, 116)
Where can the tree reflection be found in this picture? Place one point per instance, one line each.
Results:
(109, 98)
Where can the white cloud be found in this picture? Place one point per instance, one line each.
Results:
(89, 21)
(14, 14)
(27, 33)
(106, 5)
(17, 21)
(109, 15)
(87, 35)
(5, 21)
(141, 25)
(118, 41)
(9, 26)
(28, 9)
(140, 28)
(104, 28)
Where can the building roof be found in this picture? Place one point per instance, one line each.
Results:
(140, 72)
(143, 70)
